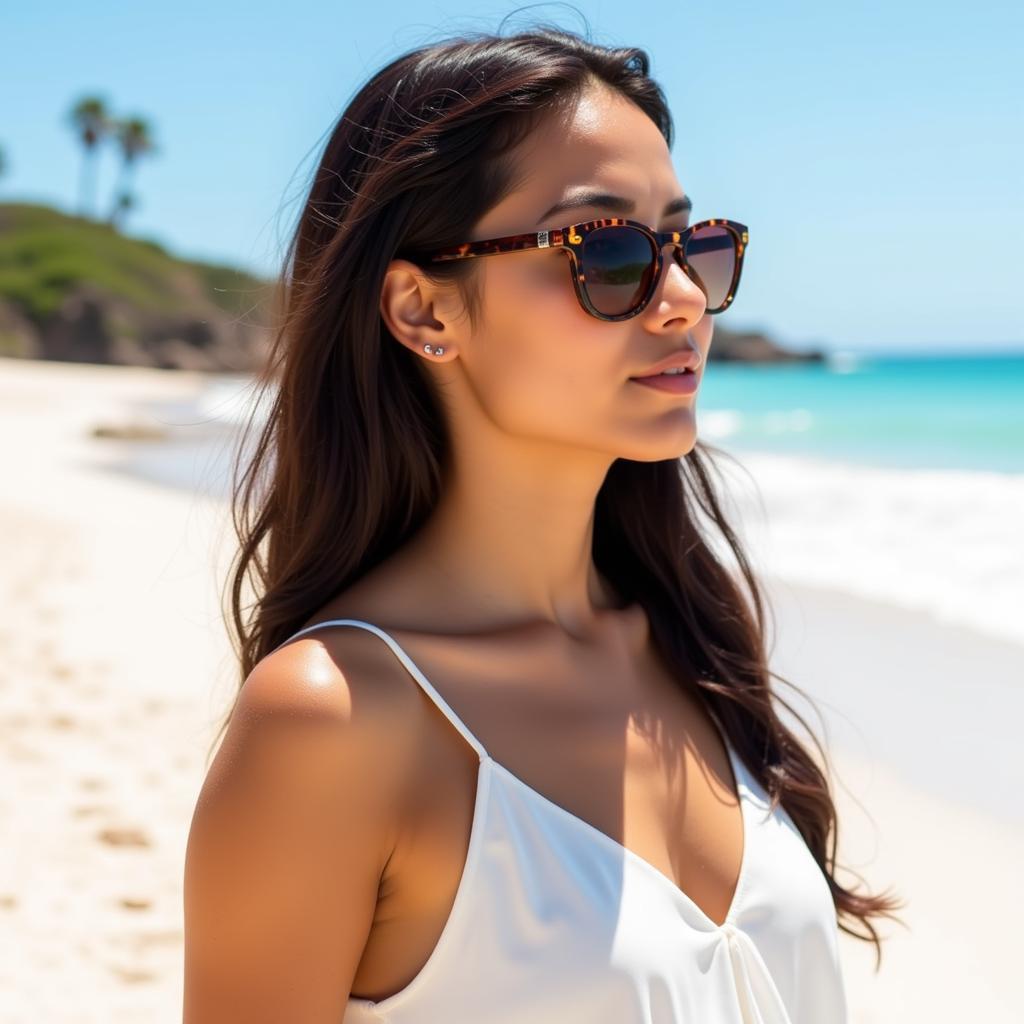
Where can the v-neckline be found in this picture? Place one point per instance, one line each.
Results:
(660, 876)
(482, 805)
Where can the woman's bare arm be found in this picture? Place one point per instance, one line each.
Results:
(291, 831)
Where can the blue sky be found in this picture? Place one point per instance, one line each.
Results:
(875, 149)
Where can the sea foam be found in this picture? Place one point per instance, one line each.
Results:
(948, 542)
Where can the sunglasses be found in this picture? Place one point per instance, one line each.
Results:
(616, 263)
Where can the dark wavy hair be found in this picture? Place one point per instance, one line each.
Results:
(348, 463)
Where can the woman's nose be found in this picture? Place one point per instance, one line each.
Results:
(678, 285)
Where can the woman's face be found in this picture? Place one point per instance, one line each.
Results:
(538, 365)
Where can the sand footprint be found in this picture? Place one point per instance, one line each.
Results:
(124, 837)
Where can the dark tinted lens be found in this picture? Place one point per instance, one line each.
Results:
(711, 254)
(617, 264)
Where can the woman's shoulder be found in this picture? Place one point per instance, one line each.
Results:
(336, 673)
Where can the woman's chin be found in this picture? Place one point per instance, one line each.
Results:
(681, 443)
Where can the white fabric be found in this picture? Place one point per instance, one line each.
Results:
(555, 922)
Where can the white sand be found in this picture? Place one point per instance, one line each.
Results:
(108, 702)
(117, 668)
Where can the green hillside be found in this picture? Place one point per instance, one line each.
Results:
(136, 290)
(44, 252)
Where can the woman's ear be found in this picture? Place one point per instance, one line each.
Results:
(420, 312)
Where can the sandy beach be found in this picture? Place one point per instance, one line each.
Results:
(117, 669)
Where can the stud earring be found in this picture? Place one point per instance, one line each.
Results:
(436, 351)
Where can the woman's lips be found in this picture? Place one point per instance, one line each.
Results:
(673, 383)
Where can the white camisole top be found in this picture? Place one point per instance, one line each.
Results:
(555, 922)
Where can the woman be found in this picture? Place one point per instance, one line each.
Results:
(506, 747)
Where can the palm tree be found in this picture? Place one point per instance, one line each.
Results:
(90, 119)
(134, 136)
(122, 204)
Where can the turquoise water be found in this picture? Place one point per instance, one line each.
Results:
(942, 412)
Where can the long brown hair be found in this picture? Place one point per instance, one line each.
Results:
(348, 462)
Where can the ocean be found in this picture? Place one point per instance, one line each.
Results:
(938, 412)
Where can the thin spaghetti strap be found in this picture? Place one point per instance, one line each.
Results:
(413, 670)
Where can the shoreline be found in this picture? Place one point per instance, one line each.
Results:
(119, 670)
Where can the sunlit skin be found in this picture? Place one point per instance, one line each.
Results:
(538, 397)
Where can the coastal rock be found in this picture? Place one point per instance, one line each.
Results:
(754, 347)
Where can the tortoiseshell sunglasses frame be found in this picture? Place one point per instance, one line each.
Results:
(572, 238)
